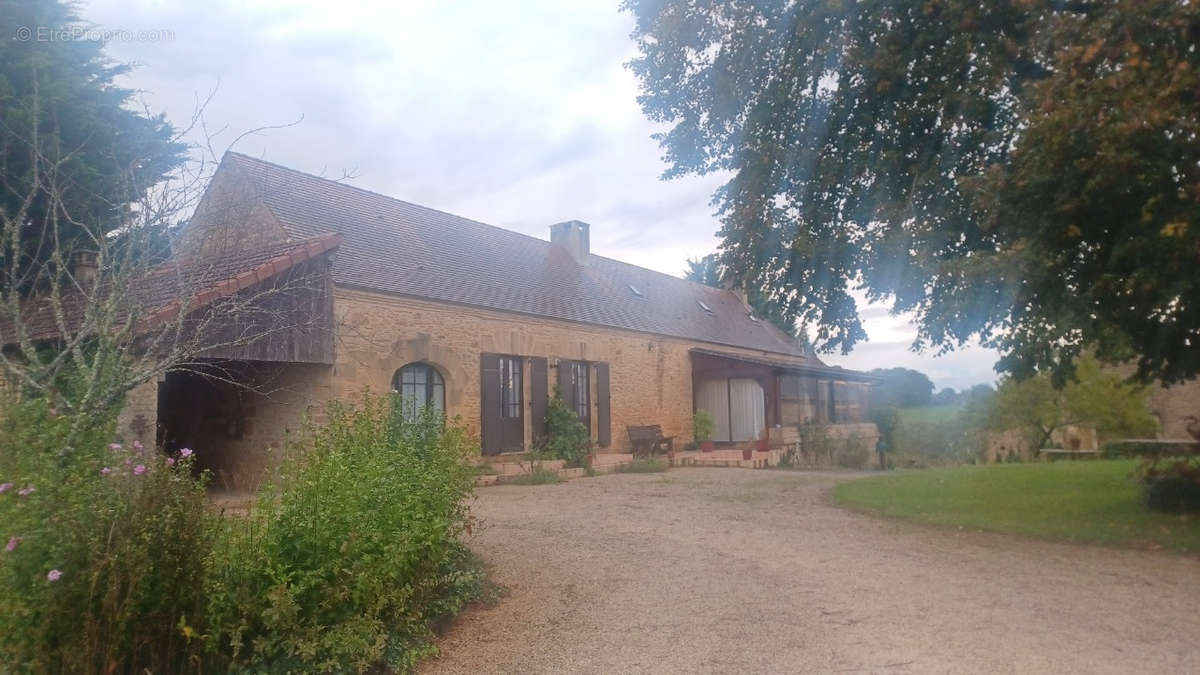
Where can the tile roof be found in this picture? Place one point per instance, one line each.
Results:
(397, 247)
(169, 287)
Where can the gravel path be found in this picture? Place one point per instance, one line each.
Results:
(731, 570)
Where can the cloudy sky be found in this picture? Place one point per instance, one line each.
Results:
(516, 115)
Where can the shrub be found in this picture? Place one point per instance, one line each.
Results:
(566, 437)
(1145, 448)
(703, 425)
(853, 455)
(354, 553)
(1171, 483)
(538, 476)
(104, 565)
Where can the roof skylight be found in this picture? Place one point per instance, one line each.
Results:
(636, 291)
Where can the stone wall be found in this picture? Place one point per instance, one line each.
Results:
(650, 376)
(138, 420)
(1173, 405)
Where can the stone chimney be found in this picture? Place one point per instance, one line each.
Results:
(738, 291)
(572, 235)
(84, 268)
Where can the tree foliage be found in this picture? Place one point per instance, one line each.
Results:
(708, 271)
(1025, 172)
(901, 388)
(1095, 398)
(64, 122)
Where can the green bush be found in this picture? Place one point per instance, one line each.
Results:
(1171, 482)
(703, 425)
(566, 437)
(1173, 495)
(348, 560)
(854, 454)
(1145, 448)
(538, 476)
(103, 568)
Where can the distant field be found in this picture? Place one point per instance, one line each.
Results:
(929, 414)
(1086, 501)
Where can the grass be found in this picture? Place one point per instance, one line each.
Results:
(928, 414)
(538, 476)
(646, 465)
(1087, 501)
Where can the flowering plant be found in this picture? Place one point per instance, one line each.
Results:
(103, 555)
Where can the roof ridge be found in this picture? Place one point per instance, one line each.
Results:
(470, 220)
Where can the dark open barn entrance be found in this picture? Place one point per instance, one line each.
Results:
(236, 416)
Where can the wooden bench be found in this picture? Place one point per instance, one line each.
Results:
(648, 440)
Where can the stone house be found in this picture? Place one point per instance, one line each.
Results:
(481, 323)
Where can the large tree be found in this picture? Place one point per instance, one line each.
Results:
(75, 152)
(1096, 399)
(1024, 172)
(901, 388)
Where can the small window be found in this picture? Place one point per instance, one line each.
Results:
(636, 291)
(582, 393)
(420, 386)
(510, 387)
(704, 307)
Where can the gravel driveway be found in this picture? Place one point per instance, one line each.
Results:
(732, 570)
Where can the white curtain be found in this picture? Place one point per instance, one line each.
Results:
(713, 396)
(748, 409)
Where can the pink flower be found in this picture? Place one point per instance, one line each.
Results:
(137, 445)
(170, 461)
(53, 575)
(139, 469)
(27, 490)
(186, 452)
(114, 446)
(5, 487)
(12, 544)
(105, 471)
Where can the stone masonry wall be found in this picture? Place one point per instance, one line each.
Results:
(650, 376)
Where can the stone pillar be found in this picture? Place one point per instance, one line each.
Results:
(138, 420)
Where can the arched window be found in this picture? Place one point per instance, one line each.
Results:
(420, 385)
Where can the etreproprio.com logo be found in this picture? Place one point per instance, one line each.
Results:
(75, 33)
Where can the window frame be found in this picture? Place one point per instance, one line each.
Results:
(434, 389)
(512, 394)
(581, 381)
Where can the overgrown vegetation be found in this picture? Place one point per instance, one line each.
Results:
(703, 425)
(1094, 501)
(348, 559)
(566, 437)
(113, 563)
(103, 568)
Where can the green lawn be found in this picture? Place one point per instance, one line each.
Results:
(1086, 501)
